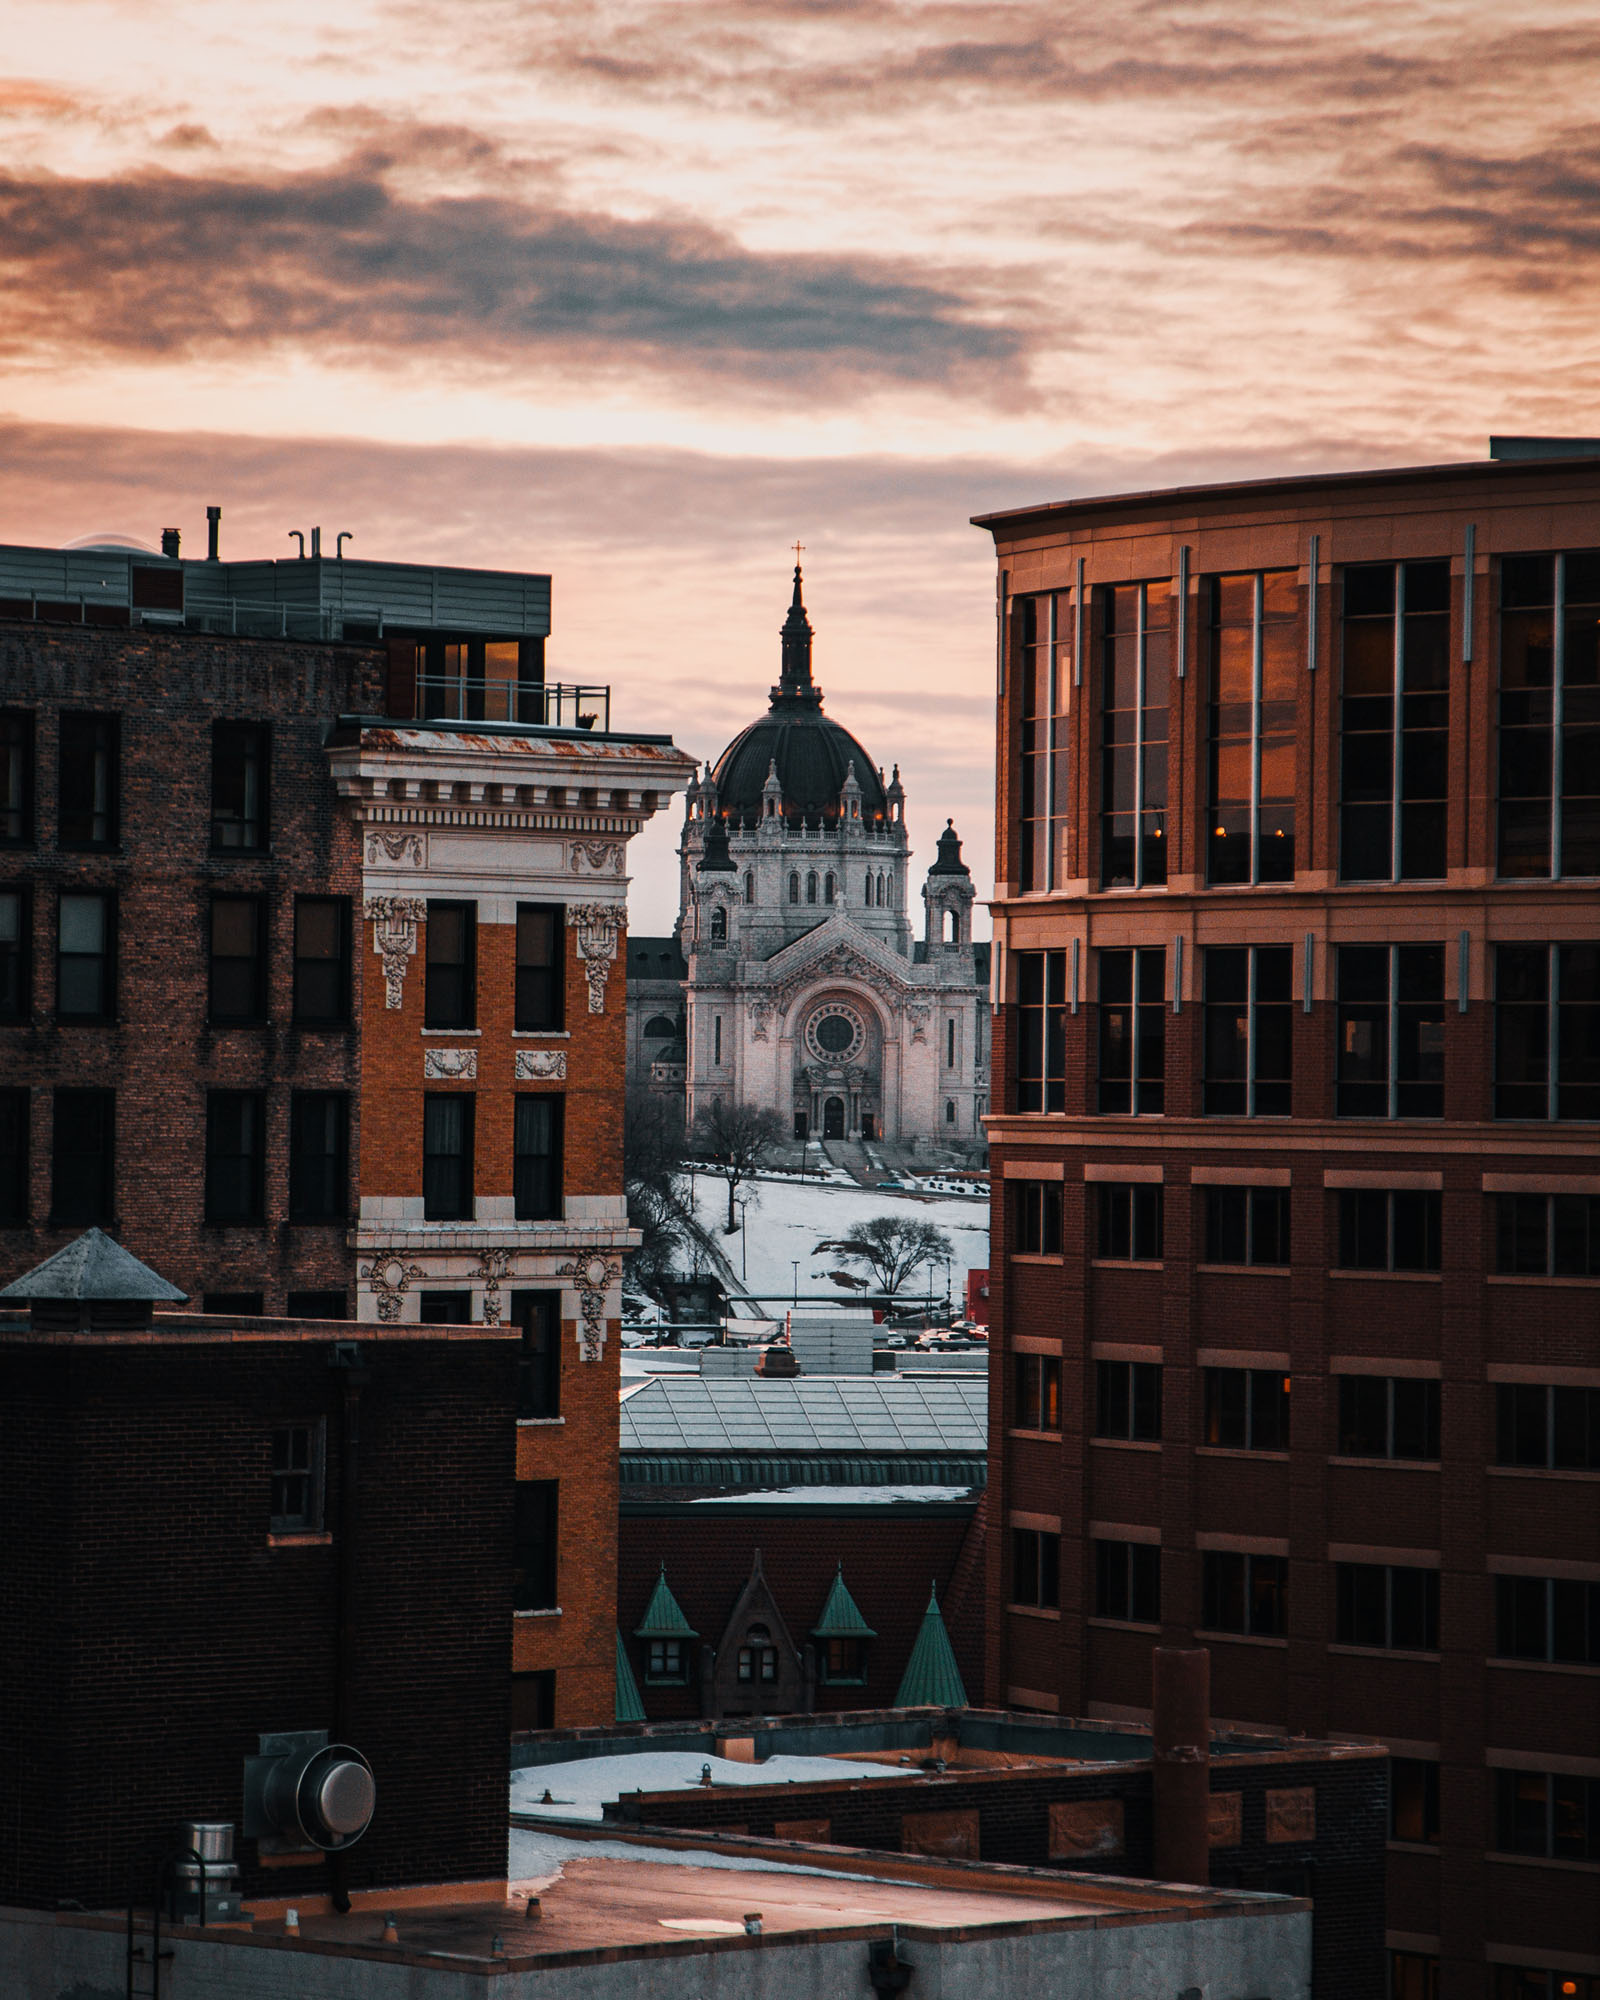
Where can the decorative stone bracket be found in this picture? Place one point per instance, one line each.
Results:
(598, 926)
(389, 1278)
(592, 1277)
(450, 1065)
(492, 1267)
(394, 921)
(541, 1066)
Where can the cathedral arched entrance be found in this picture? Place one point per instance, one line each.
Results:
(833, 1118)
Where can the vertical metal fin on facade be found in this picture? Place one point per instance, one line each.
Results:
(1463, 970)
(1310, 959)
(1313, 562)
(1077, 628)
(1183, 614)
(1177, 974)
(1469, 557)
(1073, 996)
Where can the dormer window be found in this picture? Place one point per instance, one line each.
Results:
(665, 1661)
(844, 1662)
(758, 1658)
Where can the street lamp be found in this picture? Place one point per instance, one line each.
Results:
(795, 1266)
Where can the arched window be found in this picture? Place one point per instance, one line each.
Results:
(827, 888)
(758, 1657)
(749, 886)
(950, 927)
(811, 885)
(881, 889)
(794, 888)
(660, 1028)
(869, 889)
(719, 925)
(949, 1111)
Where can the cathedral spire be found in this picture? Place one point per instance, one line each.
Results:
(794, 680)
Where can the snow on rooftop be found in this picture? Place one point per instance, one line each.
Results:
(834, 1495)
(582, 1786)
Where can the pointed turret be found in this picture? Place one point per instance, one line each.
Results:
(794, 678)
(629, 1704)
(950, 861)
(841, 1615)
(716, 858)
(932, 1679)
(850, 793)
(772, 792)
(663, 1615)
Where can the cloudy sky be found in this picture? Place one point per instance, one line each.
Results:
(642, 291)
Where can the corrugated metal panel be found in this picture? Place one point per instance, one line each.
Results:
(65, 574)
(886, 1416)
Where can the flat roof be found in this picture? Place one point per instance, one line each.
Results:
(883, 1415)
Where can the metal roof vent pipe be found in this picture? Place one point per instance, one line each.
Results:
(316, 544)
(304, 1792)
(203, 1877)
(169, 541)
(213, 534)
(1180, 1696)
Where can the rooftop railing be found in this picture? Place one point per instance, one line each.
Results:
(549, 704)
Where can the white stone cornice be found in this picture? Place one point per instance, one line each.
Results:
(410, 1239)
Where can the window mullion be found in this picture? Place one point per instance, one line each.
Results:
(1396, 717)
(1138, 752)
(1393, 1012)
(1255, 739)
(1553, 1034)
(1558, 675)
(1049, 726)
(1250, 1036)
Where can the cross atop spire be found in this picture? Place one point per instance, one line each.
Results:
(794, 679)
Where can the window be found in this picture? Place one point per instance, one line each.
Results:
(1036, 1568)
(749, 886)
(86, 958)
(844, 1662)
(1391, 1031)
(234, 1305)
(1130, 1222)
(16, 778)
(1547, 1428)
(1249, 1030)
(16, 982)
(1041, 1031)
(321, 960)
(238, 959)
(1380, 1230)
(533, 1699)
(83, 1153)
(449, 1000)
(235, 1156)
(1255, 654)
(1547, 1031)
(719, 924)
(1394, 722)
(1551, 1618)
(664, 1660)
(317, 1305)
(828, 887)
(1135, 639)
(1248, 1594)
(1378, 1604)
(1127, 1400)
(537, 1521)
(447, 1129)
(319, 1129)
(1388, 1416)
(1548, 1235)
(1036, 1207)
(758, 1658)
(1548, 1813)
(1247, 1409)
(950, 1044)
(1038, 1386)
(538, 1314)
(1247, 1225)
(14, 1106)
(1549, 715)
(297, 1479)
(445, 1308)
(1414, 1800)
(1414, 1975)
(794, 887)
(90, 781)
(1133, 1030)
(536, 1161)
(540, 967)
(1529, 1982)
(240, 766)
(716, 1041)
(1042, 630)
(811, 886)
(1127, 1582)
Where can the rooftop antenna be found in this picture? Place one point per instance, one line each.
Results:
(296, 536)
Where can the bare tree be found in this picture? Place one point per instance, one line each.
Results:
(652, 1178)
(733, 1141)
(893, 1246)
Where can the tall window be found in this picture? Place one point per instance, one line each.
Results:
(14, 1150)
(447, 1122)
(1382, 1604)
(1547, 1428)
(297, 1479)
(1036, 1212)
(1038, 1397)
(811, 885)
(1247, 1409)
(757, 1660)
(1036, 1568)
(794, 886)
(1255, 652)
(450, 999)
(1130, 1222)
(16, 959)
(1547, 1031)
(85, 962)
(1133, 1030)
(1388, 1416)
(719, 924)
(1136, 642)
(321, 960)
(1391, 1031)
(319, 1125)
(538, 1314)
(1549, 1813)
(1547, 1235)
(537, 1525)
(1389, 1230)
(1394, 722)
(16, 777)
(1244, 1593)
(1044, 665)
(539, 966)
(238, 959)
(1550, 715)
(1414, 1800)
(90, 784)
(1249, 1030)
(536, 1157)
(1127, 1582)
(83, 1156)
(240, 770)
(235, 1156)
(1041, 1031)
(1247, 1225)
(1550, 1618)
(1127, 1401)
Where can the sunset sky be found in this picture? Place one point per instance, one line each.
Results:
(642, 293)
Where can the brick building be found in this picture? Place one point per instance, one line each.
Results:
(1297, 1057)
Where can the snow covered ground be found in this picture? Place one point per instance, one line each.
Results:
(578, 1789)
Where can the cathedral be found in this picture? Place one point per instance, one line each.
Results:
(792, 978)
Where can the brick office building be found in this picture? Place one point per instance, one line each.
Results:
(1299, 1033)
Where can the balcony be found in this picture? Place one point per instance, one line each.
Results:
(548, 704)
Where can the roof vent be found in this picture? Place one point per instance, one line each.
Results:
(303, 1791)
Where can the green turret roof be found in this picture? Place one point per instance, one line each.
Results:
(629, 1703)
(931, 1679)
(663, 1615)
(841, 1615)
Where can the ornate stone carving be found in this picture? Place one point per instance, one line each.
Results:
(597, 857)
(450, 1065)
(760, 1019)
(597, 925)
(839, 963)
(389, 1277)
(399, 850)
(394, 921)
(541, 1066)
(492, 1267)
(919, 1017)
(591, 1277)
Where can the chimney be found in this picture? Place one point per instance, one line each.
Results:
(213, 532)
(169, 541)
(1181, 1699)
(316, 543)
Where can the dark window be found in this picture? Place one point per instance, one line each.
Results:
(1255, 658)
(537, 1518)
(1127, 1582)
(1247, 1225)
(719, 924)
(538, 1314)
(447, 1122)
(1041, 1031)
(1038, 1386)
(757, 1657)
(665, 1661)
(1249, 1030)
(1549, 715)
(234, 1305)
(540, 966)
(1127, 1400)
(1547, 1031)
(319, 1126)
(1529, 1982)
(90, 781)
(1129, 1222)
(439, 1308)
(238, 959)
(1414, 1799)
(1547, 1428)
(86, 958)
(297, 1479)
(14, 1135)
(1035, 1568)
(317, 1305)
(1394, 722)
(1036, 1207)
(533, 1699)
(16, 956)
(16, 777)
(1136, 648)
(1133, 1030)
(83, 1156)
(1414, 1975)
(1042, 631)
(1547, 1813)
(1247, 1409)
(1244, 1593)
(1380, 1230)
(1552, 1618)
(450, 1000)
(1547, 1235)
(240, 769)
(235, 1156)
(1379, 1604)
(1391, 1031)
(321, 960)
(1388, 1416)
(844, 1662)
(536, 1168)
